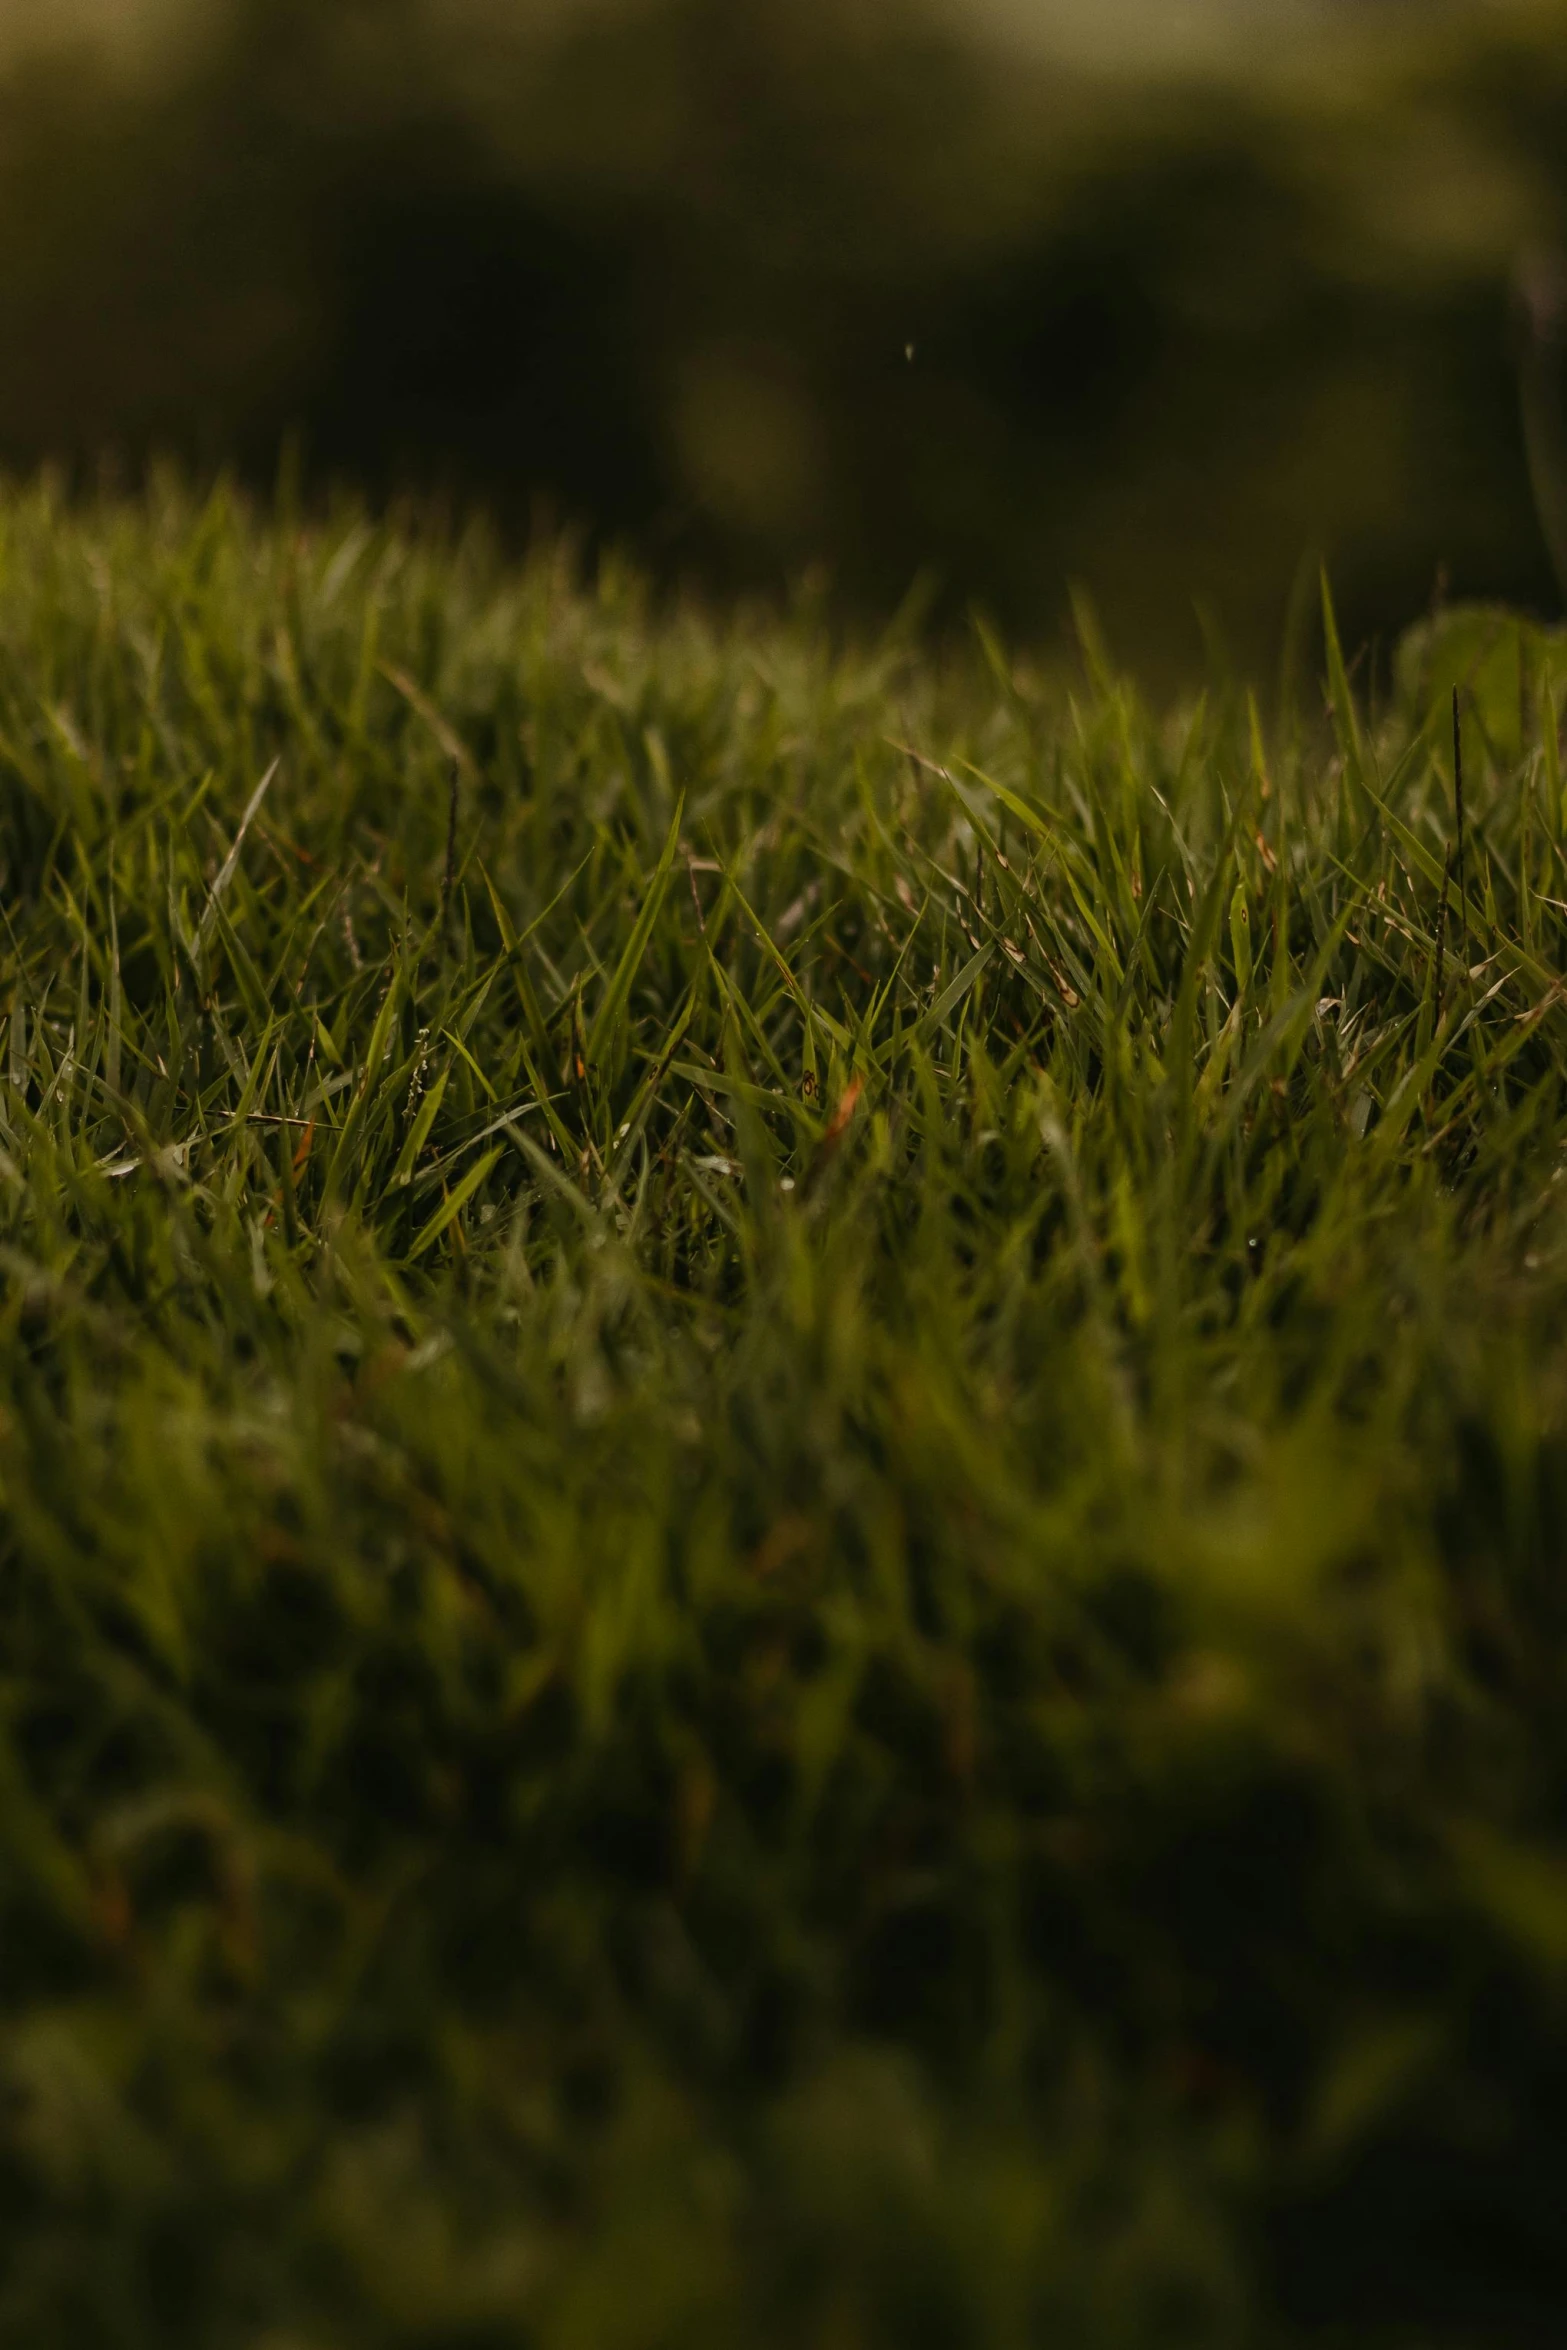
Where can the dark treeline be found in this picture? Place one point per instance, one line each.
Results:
(757, 287)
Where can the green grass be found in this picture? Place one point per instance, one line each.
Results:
(783, 1490)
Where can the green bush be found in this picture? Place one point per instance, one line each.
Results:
(763, 286)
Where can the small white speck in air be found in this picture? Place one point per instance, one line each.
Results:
(908, 353)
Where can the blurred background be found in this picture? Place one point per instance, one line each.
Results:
(1168, 298)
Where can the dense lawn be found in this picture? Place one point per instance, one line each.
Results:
(783, 1473)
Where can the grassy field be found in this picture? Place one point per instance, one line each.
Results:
(783, 1459)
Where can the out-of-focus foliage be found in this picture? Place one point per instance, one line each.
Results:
(1173, 325)
(783, 1449)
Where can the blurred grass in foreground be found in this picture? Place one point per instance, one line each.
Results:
(783, 1455)
(756, 287)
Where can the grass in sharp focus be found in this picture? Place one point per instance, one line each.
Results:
(784, 1459)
